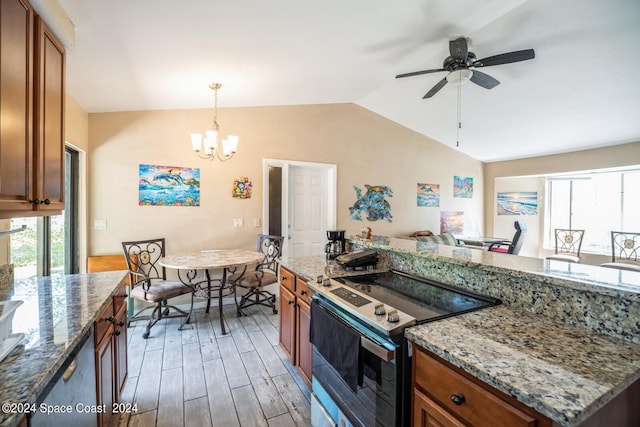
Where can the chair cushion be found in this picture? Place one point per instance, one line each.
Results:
(565, 257)
(499, 249)
(160, 290)
(623, 265)
(255, 279)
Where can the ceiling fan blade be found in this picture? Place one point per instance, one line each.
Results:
(417, 73)
(458, 49)
(505, 58)
(436, 88)
(484, 80)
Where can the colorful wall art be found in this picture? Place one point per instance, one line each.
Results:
(518, 203)
(451, 222)
(242, 188)
(168, 186)
(372, 203)
(429, 195)
(463, 187)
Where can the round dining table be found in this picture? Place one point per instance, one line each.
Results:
(228, 260)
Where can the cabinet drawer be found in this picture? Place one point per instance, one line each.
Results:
(287, 279)
(476, 405)
(104, 320)
(120, 298)
(302, 290)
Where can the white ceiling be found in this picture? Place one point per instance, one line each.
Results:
(581, 91)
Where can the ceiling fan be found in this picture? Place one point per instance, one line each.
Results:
(462, 66)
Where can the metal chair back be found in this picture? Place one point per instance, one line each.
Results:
(625, 246)
(568, 241)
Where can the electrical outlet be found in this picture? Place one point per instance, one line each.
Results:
(238, 222)
(256, 222)
(100, 224)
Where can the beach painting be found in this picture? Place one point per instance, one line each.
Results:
(451, 222)
(463, 187)
(428, 195)
(518, 203)
(168, 186)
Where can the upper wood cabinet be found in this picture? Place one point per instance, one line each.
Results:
(32, 94)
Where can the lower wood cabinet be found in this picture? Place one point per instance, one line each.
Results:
(444, 395)
(111, 354)
(295, 317)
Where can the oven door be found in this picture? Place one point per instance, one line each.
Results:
(357, 373)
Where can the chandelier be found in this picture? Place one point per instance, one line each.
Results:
(210, 140)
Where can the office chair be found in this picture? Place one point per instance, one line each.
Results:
(511, 247)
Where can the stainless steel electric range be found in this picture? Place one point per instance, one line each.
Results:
(361, 361)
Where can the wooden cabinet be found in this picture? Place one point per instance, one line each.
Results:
(111, 354)
(444, 395)
(295, 317)
(32, 94)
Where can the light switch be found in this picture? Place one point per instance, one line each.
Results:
(100, 224)
(256, 222)
(238, 222)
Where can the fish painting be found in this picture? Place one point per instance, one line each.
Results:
(372, 203)
(168, 186)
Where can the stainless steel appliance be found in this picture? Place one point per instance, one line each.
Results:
(361, 361)
(336, 245)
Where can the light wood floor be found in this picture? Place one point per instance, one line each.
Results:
(199, 377)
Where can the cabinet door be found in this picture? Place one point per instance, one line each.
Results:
(304, 349)
(104, 376)
(426, 413)
(120, 351)
(287, 323)
(49, 120)
(16, 105)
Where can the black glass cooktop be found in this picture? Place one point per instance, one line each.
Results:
(419, 297)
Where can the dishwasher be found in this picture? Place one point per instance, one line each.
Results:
(70, 397)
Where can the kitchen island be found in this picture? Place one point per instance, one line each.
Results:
(57, 314)
(565, 342)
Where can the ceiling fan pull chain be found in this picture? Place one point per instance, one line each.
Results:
(459, 116)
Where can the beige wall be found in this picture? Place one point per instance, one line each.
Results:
(76, 125)
(527, 169)
(367, 148)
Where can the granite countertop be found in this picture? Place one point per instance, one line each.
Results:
(564, 372)
(56, 314)
(608, 281)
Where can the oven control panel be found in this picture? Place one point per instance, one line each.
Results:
(381, 316)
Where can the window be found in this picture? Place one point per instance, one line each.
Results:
(49, 245)
(598, 202)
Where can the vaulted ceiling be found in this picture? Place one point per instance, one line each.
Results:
(580, 91)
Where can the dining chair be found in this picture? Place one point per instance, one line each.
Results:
(150, 284)
(568, 244)
(511, 247)
(265, 273)
(625, 251)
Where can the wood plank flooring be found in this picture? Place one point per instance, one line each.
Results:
(199, 377)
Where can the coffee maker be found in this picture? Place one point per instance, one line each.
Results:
(335, 247)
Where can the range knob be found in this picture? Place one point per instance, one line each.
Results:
(393, 316)
(379, 309)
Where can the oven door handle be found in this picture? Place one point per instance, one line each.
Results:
(378, 350)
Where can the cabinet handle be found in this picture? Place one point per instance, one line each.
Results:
(35, 201)
(457, 399)
(121, 324)
(110, 319)
(116, 333)
(46, 201)
(303, 292)
(291, 302)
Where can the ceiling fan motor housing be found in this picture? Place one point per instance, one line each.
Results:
(450, 64)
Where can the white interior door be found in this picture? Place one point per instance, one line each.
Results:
(308, 205)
